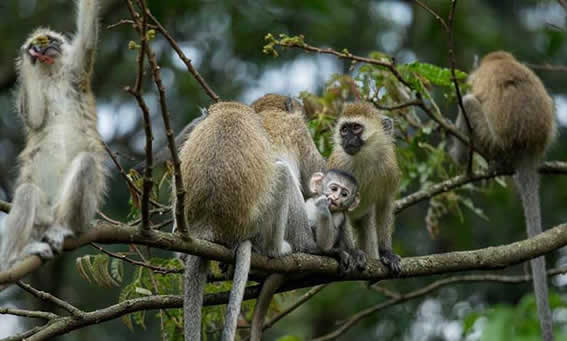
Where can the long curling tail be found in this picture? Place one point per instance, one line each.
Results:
(527, 182)
(271, 284)
(241, 269)
(195, 278)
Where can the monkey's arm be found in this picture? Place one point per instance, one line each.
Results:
(33, 114)
(84, 43)
(458, 151)
(321, 219)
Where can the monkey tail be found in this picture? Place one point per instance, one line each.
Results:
(195, 278)
(271, 284)
(241, 269)
(527, 183)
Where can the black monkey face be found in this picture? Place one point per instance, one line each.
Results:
(351, 137)
(44, 48)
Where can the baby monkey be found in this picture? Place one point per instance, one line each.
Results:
(335, 194)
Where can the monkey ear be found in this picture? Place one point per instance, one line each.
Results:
(388, 125)
(315, 182)
(355, 202)
(204, 112)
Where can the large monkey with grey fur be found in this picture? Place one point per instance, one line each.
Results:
(513, 124)
(62, 178)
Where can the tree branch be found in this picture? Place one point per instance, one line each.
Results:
(426, 290)
(483, 259)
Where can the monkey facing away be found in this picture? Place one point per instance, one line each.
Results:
(513, 124)
(328, 232)
(62, 178)
(239, 193)
(364, 147)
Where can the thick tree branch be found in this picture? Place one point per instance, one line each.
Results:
(483, 259)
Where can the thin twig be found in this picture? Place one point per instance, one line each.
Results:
(435, 15)
(426, 290)
(127, 22)
(123, 257)
(453, 62)
(131, 184)
(29, 313)
(137, 93)
(306, 297)
(178, 180)
(42, 295)
(184, 58)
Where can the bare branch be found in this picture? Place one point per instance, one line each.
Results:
(178, 180)
(123, 257)
(42, 295)
(137, 93)
(482, 259)
(547, 67)
(435, 15)
(28, 313)
(184, 58)
(426, 290)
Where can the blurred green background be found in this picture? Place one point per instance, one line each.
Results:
(225, 39)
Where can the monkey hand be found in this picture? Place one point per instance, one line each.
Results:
(360, 259)
(322, 204)
(391, 260)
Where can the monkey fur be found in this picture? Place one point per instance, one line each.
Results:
(364, 147)
(62, 178)
(240, 193)
(513, 124)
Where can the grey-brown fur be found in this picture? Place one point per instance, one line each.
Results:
(513, 124)
(375, 167)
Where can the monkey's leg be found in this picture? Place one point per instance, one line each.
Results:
(195, 279)
(29, 211)
(367, 237)
(77, 201)
(384, 226)
(348, 243)
(242, 268)
(269, 288)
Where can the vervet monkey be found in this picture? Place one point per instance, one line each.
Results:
(337, 195)
(274, 101)
(513, 124)
(282, 118)
(239, 193)
(328, 228)
(62, 177)
(268, 101)
(364, 147)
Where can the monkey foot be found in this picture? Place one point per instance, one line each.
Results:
(347, 263)
(55, 236)
(391, 260)
(360, 259)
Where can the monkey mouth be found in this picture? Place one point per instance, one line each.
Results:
(351, 149)
(45, 55)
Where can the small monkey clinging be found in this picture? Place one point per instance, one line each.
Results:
(61, 180)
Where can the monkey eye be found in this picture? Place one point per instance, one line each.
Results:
(344, 130)
(344, 194)
(357, 129)
(334, 188)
